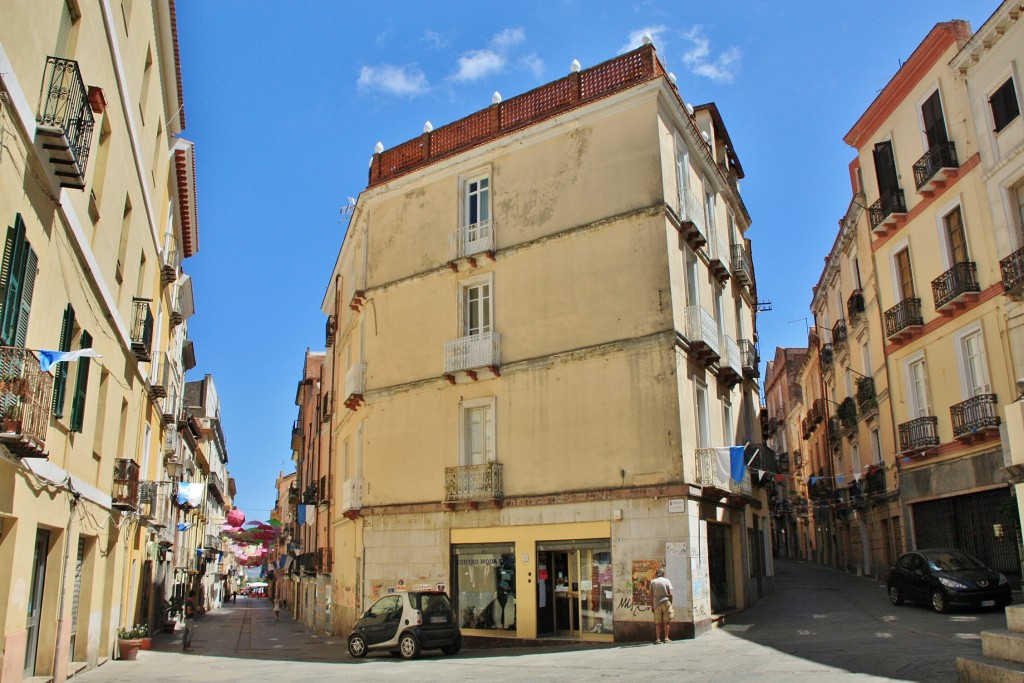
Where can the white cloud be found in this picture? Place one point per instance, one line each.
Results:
(394, 80)
(534, 63)
(636, 38)
(476, 64)
(722, 68)
(510, 37)
(434, 39)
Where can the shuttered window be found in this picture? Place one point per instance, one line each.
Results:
(1004, 105)
(17, 282)
(81, 384)
(60, 380)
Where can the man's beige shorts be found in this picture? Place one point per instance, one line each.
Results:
(663, 612)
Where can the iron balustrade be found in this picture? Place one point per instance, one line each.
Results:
(64, 104)
(974, 414)
(942, 155)
(839, 333)
(125, 492)
(874, 480)
(216, 485)
(961, 279)
(714, 473)
(749, 358)
(142, 329)
(889, 203)
(731, 359)
(906, 313)
(827, 355)
(473, 482)
(700, 327)
(867, 399)
(169, 264)
(919, 434)
(742, 268)
(25, 395)
(473, 351)
(718, 253)
(467, 240)
(855, 305)
(1012, 268)
(818, 410)
(691, 210)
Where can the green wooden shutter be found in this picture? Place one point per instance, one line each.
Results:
(60, 380)
(13, 272)
(81, 383)
(28, 285)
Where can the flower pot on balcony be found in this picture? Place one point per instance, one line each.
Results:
(128, 649)
(146, 643)
(12, 425)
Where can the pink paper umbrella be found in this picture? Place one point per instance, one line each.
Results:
(236, 517)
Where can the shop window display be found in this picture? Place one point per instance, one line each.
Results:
(485, 583)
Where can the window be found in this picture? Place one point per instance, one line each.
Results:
(477, 201)
(917, 387)
(682, 167)
(692, 271)
(1004, 105)
(485, 581)
(934, 123)
(953, 229)
(719, 313)
(476, 312)
(17, 282)
(973, 365)
(904, 275)
(60, 379)
(855, 458)
(1018, 202)
(81, 385)
(477, 418)
(709, 205)
(703, 425)
(728, 434)
(885, 169)
(876, 447)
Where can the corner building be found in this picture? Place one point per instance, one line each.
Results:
(542, 320)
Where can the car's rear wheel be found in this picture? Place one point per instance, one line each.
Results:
(894, 595)
(409, 646)
(939, 603)
(356, 646)
(452, 649)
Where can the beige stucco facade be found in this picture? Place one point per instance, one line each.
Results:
(522, 372)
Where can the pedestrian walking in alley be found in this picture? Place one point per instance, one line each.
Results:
(191, 612)
(661, 603)
(277, 609)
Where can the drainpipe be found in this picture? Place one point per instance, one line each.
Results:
(59, 655)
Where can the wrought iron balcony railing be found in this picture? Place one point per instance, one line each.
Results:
(855, 305)
(474, 351)
(65, 121)
(1012, 268)
(827, 356)
(889, 204)
(215, 485)
(749, 359)
(169, 264)
(874, 480)
(902, 316)
(867, 399)
(473, 483)
(296, 435)
(839, 333)
(942, 155)
(691, 213)
(974, 415)
(25, 395)
(959, 280)
(470, 240)
(713, 473)
(729, 366)
(742, 268)
(919, 434)
(125, 492)
(701, 331)
(332, 330)
(142, 329)
(718, 256)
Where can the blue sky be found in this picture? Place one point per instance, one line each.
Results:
(285, 101)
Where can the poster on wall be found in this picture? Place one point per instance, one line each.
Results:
(643, 574)
(677, 570)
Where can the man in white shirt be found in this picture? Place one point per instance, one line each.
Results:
(661, 603)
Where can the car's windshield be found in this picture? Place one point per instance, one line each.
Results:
(951, 561)
(430, 602)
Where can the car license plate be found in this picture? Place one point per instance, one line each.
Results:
(439, 620)
(988, 603)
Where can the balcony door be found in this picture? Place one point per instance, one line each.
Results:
(35, 601)
(477, 311)
(956, 241)
(904, 275)
(885, 169)
(934, 123)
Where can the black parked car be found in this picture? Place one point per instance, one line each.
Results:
(947, 578)
(406, 622)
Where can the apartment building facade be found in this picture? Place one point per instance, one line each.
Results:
(97, 191)
(544, 317)
(780, 425)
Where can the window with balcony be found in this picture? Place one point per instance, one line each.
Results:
(1004, 104)
(917, 386)
(974, 377)
(17, 282)
(476, 207)
(60, 372)
(477, 444)
(890, 196)
(81, 386)
(703, 422)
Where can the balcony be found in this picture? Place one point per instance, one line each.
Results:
(742, 268)
(903, 320)
(867, 399)
(718, 257)
(332, 330)
(933, 169)
(730, 367)
(714, 474)
(211, 542)
(827, 357)
(125, 493)
(325, 559)
(142, 329)
(473, 484)
(64, 122)
(355, 385)
(170, 410)
(215, 485)
(468, 242)
(701, 331)
(310, 496)
(889, 212)
(1012, 268)
(25, 395)
(296, 436)
(352, 497)
(467, 356)
(919, 435)
(691, 216)
(326, 407)
(855, 306)
(172, 440)
(975, 418)
(157, 384)
(874, 480)
(956, 287)
(818, 410)
(840, 335)
(169, 265)
(325, 489)
(749, 360)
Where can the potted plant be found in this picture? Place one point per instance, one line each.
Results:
(128, 643)
(145, 640)
(172, 608)
(848, 414)
(12, 418)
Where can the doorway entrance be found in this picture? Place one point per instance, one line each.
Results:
(574, 591)
(35, 601)
(719, 556)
